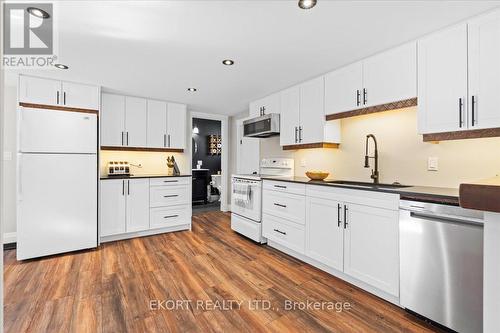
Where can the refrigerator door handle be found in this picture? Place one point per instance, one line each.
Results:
(19, 179)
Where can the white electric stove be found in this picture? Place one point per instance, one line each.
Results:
(246, 196)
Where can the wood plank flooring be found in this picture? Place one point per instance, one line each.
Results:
(110, 289)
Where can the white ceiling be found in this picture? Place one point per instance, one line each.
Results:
(158, 49)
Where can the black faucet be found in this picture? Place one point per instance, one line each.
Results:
(375, 173)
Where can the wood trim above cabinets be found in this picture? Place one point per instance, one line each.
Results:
(480, 197)
(166, 150)
(459, 135)
(373, 109)
(57, 107)
(311, 145)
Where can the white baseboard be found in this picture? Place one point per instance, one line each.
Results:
(9, 237)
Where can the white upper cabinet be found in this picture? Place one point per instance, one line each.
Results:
(442, 81)
(35, 90)
(289, 117)
(81, 96)
(325, 232)
(112, 120)
(371, 246)
(312, 114)
(135, 122)
(343, 89)
(484, 71)
(157, 124)
(176, 125)
(390, 76)
(41, 91)
(266, 105)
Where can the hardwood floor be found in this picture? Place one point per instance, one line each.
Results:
(110, 289)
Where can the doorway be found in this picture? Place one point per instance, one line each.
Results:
(208, 162)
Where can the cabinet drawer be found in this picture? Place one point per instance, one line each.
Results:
(169, 181)
(168, 195)
(164, 217)
(286, 187)
(288, 206)
(284, 233)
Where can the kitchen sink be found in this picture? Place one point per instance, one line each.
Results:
(366, 185)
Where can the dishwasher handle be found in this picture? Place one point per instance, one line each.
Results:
(445, 218)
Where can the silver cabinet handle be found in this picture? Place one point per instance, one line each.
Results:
(280, 232)
(365, 96)
(300, 133)
(280, 186)
(128, 187)
(164, 140)
(127, 138)
(122, 138)
(170, 181)
(296, 131)
(57, 97)
(345, 217)
(460, 106)
(123, 187)
(171, 196)
(280, 205)
(473, 106)
(170, 216)
(339, 212)
(358, 97)
(169, 140)
(64, 98)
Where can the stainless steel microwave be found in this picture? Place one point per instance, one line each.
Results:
(263, 126)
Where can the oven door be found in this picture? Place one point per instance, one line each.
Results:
(251, 208)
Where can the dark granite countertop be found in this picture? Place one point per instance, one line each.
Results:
(440, 195)
(140, 176)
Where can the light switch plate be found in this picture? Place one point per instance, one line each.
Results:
(303, 162)
(7, 156)
(433, 164)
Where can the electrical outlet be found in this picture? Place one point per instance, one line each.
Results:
(433, 164)
(303, 162)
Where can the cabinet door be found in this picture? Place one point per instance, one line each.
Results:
(254, 108)
(36, 90)
(442, 81)
(289, 118)
(484, 71)
(390, 76)
(371, 246)
(112, 120)
(312, 111)
(325, 232)
(176, 126)
(248, 152)
(112, 208)
(137, 204)
(271, 104)
(80, 96)
(343, 89)
(157, 124)
(135, 122)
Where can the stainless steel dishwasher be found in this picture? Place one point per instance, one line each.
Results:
(441, 251)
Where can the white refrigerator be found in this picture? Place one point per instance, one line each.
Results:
(57, 182)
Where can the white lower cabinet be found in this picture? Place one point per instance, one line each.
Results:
(131, 207)
(351, 233)
(325, 232)
(371, 246)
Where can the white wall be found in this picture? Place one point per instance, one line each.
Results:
(402, 153)
(9, 166)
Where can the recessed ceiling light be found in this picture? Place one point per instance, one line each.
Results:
(192, 89)
(38, 12)
(61, 66)
(228, 62)
(307, 4)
